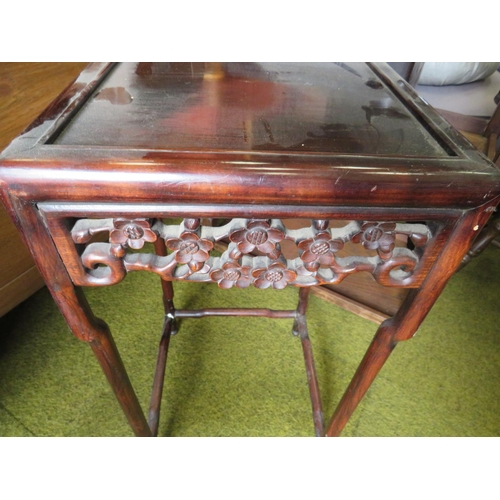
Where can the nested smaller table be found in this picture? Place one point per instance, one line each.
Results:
(233, 150)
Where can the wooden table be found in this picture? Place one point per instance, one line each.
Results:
(234, 149)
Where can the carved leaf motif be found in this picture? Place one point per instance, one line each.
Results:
(85, 229)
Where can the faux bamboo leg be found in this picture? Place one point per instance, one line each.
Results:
(167, 287)
(159, 378)
(300, 329)
(161, 363)
(487, 235)
(104, 348)
(312, 379)
(405, 323)
(377, 354)
(75, 309)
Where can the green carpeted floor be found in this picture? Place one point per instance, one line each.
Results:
(245, 377)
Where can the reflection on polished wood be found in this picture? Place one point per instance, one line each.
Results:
(249, 107)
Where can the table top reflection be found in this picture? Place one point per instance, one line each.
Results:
(301, 107)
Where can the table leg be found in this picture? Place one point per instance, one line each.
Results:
(159, 378)
(104, 348)
(167, 287)
(168, 331)
(75, 309)
(487, 235)
(405, 323)
(300, 329)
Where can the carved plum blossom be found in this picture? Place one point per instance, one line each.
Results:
(190, 249)
(232, 274)
(319, 250)
(318, 264)
(276, 276)
(378, 236)
(132, 233)
(258, 235)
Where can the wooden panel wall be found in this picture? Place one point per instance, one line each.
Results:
(26, 89)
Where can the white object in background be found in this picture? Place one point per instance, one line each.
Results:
(475, 99)
(455, 73)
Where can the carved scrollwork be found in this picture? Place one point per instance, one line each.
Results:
(103, 266)
(321, 250)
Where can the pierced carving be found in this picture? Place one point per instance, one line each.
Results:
(378, 236)
(319, 250)
(190, 245)
(190, 249)
(230, 274)
(276, 276)
(192, 224)
(131, 233)
(257, 235)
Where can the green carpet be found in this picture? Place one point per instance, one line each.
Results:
(246, 377)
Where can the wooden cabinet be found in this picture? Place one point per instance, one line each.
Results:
(25, 91)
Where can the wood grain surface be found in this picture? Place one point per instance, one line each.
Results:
(26, 89)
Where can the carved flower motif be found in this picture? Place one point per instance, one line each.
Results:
(319, 250)
(190, 249)
(132, 233)
(232, 274)
(378, 236)
(276, 275)
(257, 235)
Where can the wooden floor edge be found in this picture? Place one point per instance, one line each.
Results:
(349, 304)
(19, 289)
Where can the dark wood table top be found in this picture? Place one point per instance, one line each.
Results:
(326, 134)
(284, 107)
